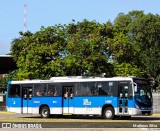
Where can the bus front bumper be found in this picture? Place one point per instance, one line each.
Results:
(142, 112)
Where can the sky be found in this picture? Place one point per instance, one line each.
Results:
(51, 12)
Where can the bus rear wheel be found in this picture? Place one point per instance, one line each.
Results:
(45, 112)
(108, 113)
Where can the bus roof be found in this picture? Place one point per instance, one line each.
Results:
(72, 79)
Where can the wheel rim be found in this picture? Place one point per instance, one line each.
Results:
(108, 114)
(45, 113)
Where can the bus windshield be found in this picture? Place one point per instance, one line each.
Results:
(143, 96)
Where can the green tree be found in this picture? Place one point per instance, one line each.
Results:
(87, 50)
(129, 46)
(4, 80)
(39, 55)
(136, 41)
(74, 49)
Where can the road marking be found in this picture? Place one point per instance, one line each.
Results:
(7, 113)
(155, 115)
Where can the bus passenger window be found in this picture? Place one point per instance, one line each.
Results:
(40, 89)
(50, 92)
(39, 93)
(54, 90)
(78, 91)
(14, 91)
(56, 93)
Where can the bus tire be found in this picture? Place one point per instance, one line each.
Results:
(108, 113)
(45, 112)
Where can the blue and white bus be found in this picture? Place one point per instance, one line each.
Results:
(106, 97)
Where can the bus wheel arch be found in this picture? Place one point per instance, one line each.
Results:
(44, 111)
(108, 111)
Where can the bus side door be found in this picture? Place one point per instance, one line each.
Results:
(68, 100)
(123, 101)
(27, 100)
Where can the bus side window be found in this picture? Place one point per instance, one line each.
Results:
(93, 89)
(77, 89)
(39, 93)
(56, 93)
(14, 91)
(50, 92)
(54, 90)
(40, 89)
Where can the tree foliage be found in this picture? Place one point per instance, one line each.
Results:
(127, 47)
(87, 51)
(74, 49)
(136, 42)
(4, 80)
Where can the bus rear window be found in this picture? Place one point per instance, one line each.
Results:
(14, 91)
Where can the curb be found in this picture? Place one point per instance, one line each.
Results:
(4, 112)
(155, 115)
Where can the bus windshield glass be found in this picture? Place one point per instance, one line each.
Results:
(143, 96)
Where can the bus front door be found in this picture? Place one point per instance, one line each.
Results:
(68, 98)
(26, 100)
(123, 99)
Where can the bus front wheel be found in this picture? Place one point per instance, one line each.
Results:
(108, 113)
(45, 112)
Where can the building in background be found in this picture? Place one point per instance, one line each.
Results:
(6, 65)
